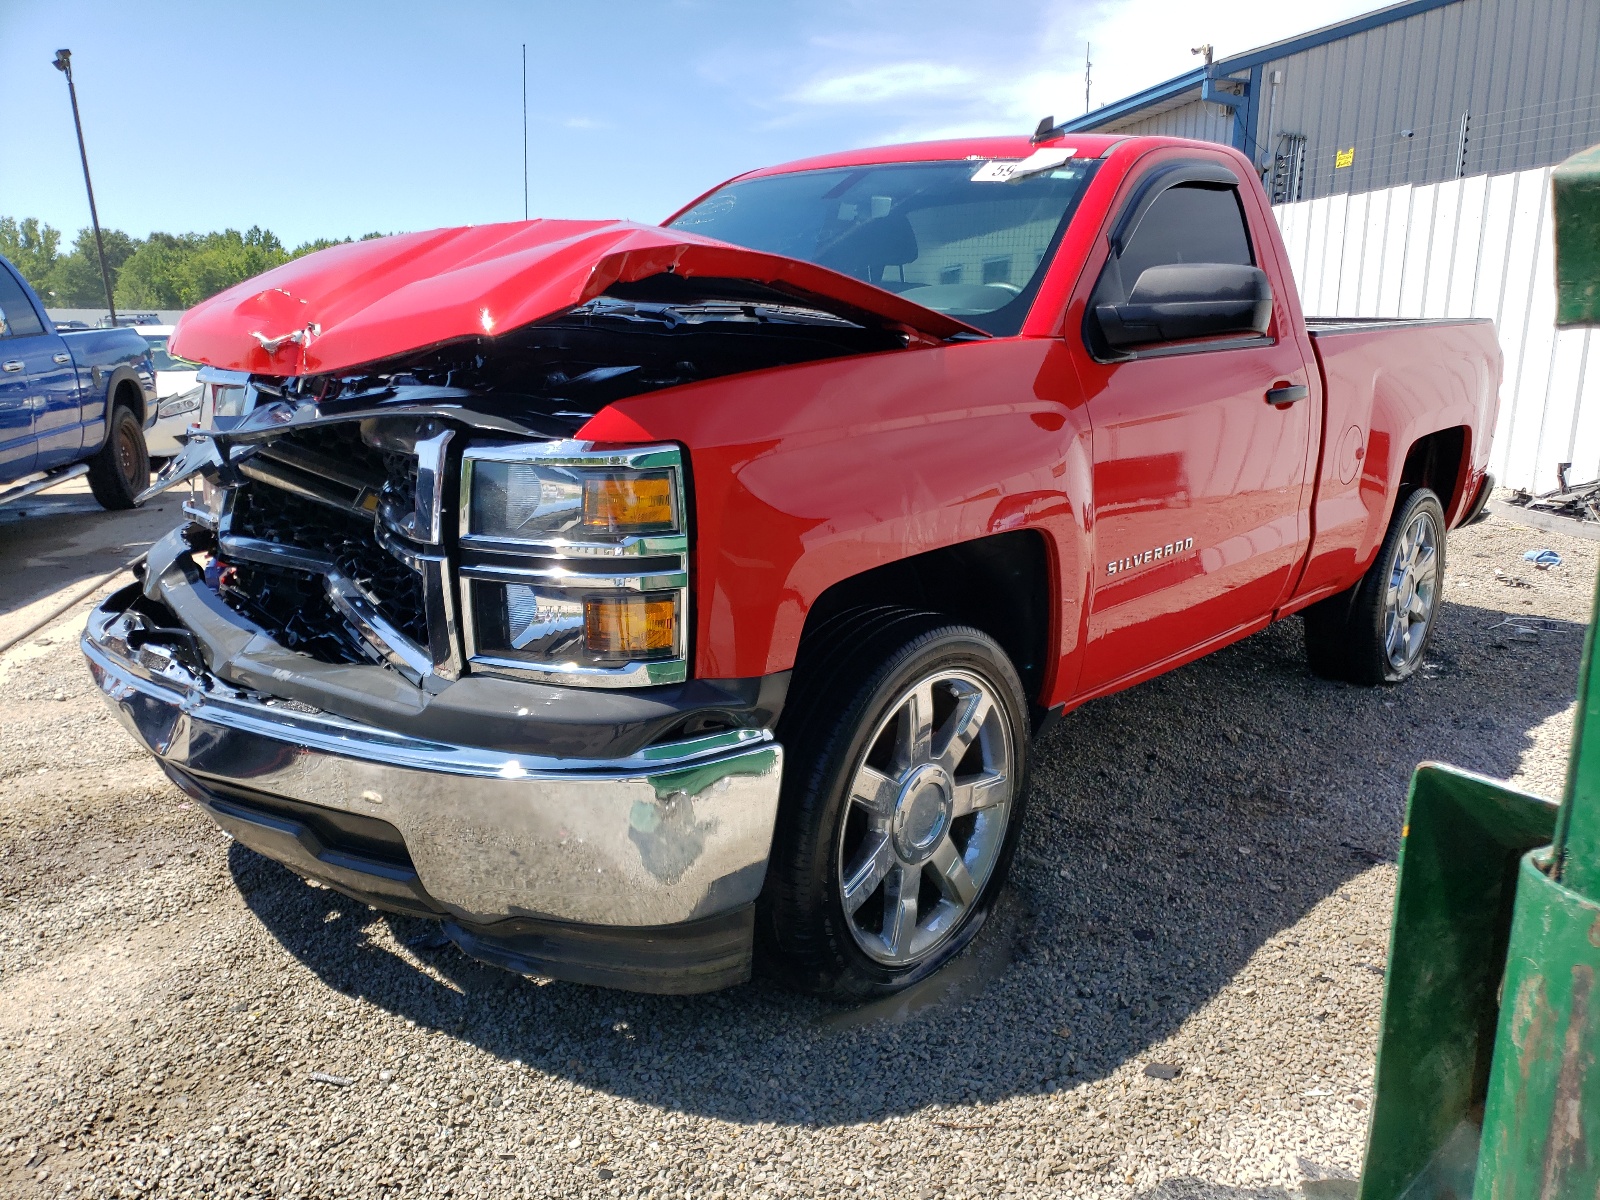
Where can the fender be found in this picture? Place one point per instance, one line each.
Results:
(95, 429)
(808, 475)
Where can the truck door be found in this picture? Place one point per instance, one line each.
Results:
(19, 325)
(1197, 476)
(55, 400)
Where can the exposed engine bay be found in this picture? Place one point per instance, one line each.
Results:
(314, 521)
(659, 333)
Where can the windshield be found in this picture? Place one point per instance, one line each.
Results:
(164, 361)
(967, 247)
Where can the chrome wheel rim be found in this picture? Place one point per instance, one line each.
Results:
(927, 813)
(1413, 590)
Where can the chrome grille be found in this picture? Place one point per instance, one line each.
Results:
(345, 542)
(324, 545)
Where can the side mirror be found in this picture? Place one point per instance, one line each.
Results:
(1189, 300)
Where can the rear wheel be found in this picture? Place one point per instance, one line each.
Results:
(121, 470)
(902, 802)
(1378, 631)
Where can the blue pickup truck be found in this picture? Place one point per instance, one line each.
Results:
(71, 402)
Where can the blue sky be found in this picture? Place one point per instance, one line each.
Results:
(336, 118)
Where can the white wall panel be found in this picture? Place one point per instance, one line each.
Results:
(1531, 399)
(1490, 285)
(1468, 242)
(1292, 225)
(1482, 247)
(1414, 270)
(1441, 249)
(1586, 426)
(1397, 236)
(1369, 282)
(1353, 258)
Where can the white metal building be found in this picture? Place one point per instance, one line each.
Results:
(1408, 154)
(1417, 92)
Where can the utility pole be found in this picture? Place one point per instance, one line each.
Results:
(1086, 65)
(524, 131)
(63, 63)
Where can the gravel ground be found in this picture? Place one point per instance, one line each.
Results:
(1205, 884)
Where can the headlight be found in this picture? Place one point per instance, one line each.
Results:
(182, 402)
(519, 501)
(575, 562)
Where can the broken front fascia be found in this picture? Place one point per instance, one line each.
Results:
(380, 448)
(333, 534)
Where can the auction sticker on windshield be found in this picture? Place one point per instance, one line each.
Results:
(1005, 170)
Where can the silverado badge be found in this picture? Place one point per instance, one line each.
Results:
(1146, 556)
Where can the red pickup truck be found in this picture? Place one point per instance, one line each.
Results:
(640, 601)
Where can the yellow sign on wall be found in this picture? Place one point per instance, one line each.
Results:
(1344, 158)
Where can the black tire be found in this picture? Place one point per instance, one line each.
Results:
(121, 470)
(1350, 636)
(854, 673)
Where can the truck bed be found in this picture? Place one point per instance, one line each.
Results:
(1387, 382)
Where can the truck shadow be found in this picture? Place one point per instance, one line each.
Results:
(1172, 830)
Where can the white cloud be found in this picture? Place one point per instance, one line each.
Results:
(1134, 45)
(892, 81)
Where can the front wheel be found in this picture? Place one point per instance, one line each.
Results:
(121, 470)
(901, 806)
(1378, 631)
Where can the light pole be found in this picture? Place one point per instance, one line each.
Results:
(524, 131)
(63, 63)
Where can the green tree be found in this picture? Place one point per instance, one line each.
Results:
(162, 271)
(231, 257)
(74, 279)
(170, 271)
(153, 276)
(316, 244)
(31, 247)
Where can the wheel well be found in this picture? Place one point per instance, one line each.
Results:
(999, 584)
(1437, 462)
(127, 395)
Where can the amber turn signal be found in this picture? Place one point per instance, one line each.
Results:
(629, 503)
(632, 626)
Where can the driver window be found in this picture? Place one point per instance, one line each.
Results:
(1190, 223)
(17, 318)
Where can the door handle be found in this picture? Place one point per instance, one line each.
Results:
(11, 364)
(61, 359)
(1287, 393)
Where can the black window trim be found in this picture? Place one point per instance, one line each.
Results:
(1152, 185)
(45, 326)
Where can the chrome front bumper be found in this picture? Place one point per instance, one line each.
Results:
(673, 834)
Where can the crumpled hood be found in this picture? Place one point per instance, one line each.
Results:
(363, 302)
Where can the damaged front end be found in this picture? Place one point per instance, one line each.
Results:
(423, 643)
(436, 515)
